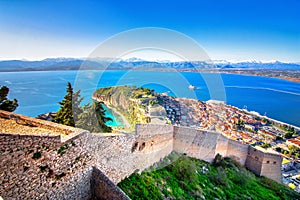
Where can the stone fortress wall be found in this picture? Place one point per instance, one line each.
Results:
(195, 143)
(205, 145)
(53, 167)
(264, 163)
(39, 166)
(34, 166)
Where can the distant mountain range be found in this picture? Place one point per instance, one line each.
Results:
(136, 63)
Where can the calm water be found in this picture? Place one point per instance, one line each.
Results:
(39, 92)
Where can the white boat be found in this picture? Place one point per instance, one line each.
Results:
(192, 87)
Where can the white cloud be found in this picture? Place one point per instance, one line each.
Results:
(31, 47)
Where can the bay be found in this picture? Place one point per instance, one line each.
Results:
(40, 92)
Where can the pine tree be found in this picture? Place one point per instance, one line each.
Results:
(70, 107)
(93, 118)
(5, 103)
(89, 117)
(100, 113)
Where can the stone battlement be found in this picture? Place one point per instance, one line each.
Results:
(75, 163)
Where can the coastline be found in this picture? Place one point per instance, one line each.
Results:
(291, 79)
(266, 117)
(287, 78)
(295, 80)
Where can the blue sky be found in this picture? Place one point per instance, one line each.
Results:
(232, 30)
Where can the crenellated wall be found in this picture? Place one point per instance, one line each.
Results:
(206, 145)
(56, 167)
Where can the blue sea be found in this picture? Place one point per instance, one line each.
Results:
(40, 92)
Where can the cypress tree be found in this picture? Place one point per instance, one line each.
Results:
(89, 117)
(5, 103)
(69, 107)
(100, 113)
(93, 118)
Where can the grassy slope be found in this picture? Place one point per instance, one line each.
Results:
(185, 178)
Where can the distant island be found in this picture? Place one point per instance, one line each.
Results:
(287, 71)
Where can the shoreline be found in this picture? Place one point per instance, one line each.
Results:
(287, 78)
(255, 113)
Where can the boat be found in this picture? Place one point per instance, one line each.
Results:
(192, 87)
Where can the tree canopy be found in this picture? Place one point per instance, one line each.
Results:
(93, 118)
(89, 117)
(65, 115)
(5, 103)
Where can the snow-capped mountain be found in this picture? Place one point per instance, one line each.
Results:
(131, 63)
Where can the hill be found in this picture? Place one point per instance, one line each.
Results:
(288, 71)
(182, 177)
(119, 64)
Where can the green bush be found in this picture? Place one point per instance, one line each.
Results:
(184, 169)
(220, 178)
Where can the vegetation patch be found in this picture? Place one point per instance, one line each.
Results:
(182, 177)
(62, 149)
(73, 144)
(77, 160)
